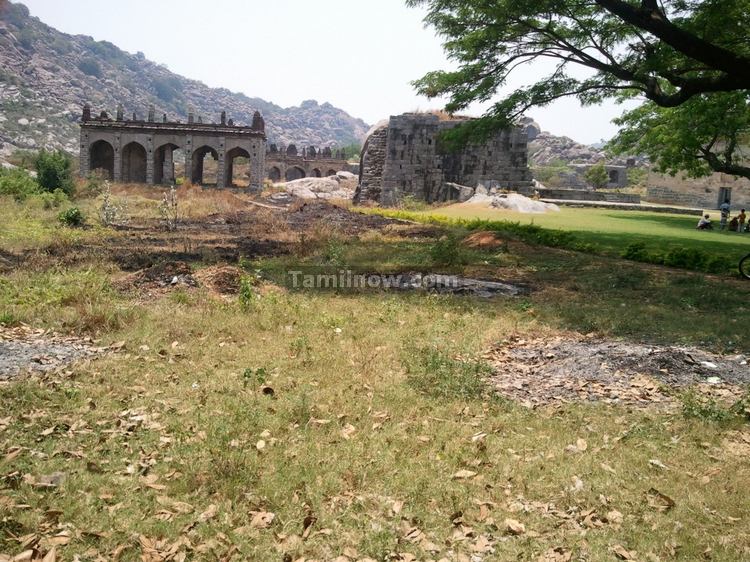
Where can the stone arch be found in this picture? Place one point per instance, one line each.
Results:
(274, 174)
(197, 164)
(230, 169)
(164, 163)
(331, 173)
(294, 173)
(102, 157)
(134, 163)
(316, 173)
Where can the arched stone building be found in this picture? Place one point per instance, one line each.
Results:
(142, 151)
(287, 163)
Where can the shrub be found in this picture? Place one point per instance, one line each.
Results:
(111, 212)
(247, 292)
(52, 200)
(53, 171)
(168, 209)
(597, 176)
(447, 251)
(635, 251)
(17, 183)
(687, 258)
(72, 217)
(91, 67)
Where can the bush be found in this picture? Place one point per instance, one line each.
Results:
(447, 251)
(91, 67)
(17, 183)
(686, 258)
(72, 217)
(53, 171)
(597, 176)
(52, 200)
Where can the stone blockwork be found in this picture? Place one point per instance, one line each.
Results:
(289, 164)
(706, 193)
(138, 151)
(415, 163)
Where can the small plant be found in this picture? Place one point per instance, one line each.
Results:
(694, 406)
(168, 209)
(72, 217)
(433, 372)
(111, 212)
(447, 251)
(247, 292)
(254, 377)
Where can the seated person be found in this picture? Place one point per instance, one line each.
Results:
(733, 224)
(704, 223)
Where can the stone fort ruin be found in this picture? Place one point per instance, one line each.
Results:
(406, 158)
(287, 163)
(138, 151)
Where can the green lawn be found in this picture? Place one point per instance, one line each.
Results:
(616, 229)
(604, 231)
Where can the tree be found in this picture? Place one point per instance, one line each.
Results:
(597, 176)
(53, 171)
(668, 52)
(704, 134)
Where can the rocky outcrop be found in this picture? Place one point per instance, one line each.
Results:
(340, 186)
(46, 76)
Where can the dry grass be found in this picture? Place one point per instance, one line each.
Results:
(380, 439)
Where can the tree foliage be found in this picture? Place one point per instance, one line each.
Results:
(668, 52)
(597, 176)
(707, 133)
(53, 171)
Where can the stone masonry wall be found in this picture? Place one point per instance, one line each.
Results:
(704, 193)
(371, 164)
(415, 163)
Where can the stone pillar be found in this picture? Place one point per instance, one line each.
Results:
(168, 166)
(258, 165)
(150, 158)
(118, 159)
(221, 173)
(119, 113)
(223, 117)
(84, 155)
(151, 113)
(189, 158)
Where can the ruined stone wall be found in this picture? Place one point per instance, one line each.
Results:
(704, 193)
(415, 163)
(371, 164)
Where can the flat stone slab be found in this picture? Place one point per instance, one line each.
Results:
(23, 349)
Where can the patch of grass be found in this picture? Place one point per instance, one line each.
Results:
(438, 375)
(641, 236)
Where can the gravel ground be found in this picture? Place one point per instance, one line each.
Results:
(23, 349)
(541, 371)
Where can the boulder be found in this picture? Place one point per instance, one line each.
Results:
(331, 187)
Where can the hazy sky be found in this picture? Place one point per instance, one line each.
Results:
(359, 55)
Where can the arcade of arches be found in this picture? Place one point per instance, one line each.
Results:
(146, 151)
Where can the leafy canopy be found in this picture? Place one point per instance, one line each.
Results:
(668, 52)
(706, 133)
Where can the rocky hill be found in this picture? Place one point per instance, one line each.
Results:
(46, 76)
(546, 149)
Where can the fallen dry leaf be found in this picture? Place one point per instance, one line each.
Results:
(514, 527)
(463, 474)
(622, 553)
(262, 519)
